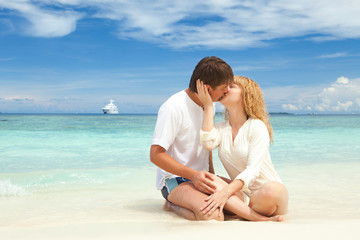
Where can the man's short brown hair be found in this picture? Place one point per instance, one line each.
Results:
(212, 71)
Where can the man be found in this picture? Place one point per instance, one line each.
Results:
(183, 164)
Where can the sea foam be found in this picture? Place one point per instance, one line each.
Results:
(8, 189)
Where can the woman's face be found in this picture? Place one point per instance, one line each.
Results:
(233, 96)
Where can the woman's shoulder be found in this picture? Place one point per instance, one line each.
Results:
(257, 125)
(256, 122)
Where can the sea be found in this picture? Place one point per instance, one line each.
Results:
(75, 168)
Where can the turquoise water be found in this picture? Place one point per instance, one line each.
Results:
(71, 145)
(86, 148)
(98, 166)
(316, 139)
(46, 142)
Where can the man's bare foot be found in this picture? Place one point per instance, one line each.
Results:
(180, 211)
(168, 206)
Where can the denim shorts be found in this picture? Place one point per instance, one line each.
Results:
(172, 183)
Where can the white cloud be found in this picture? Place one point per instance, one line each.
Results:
(87, 92)
(289, 97)
(342, 80)
(43, 22)
(19, 99)
(334, 55)
(6, 59)
(342, 96)
(203, 23)
(289, 107)
(357, 100)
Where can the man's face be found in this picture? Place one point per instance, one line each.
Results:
(219, 92)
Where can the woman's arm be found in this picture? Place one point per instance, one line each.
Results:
(211, 165)
(258, 148)
(205, 98)
(209, 136)
(259, 142)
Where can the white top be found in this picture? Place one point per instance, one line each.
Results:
(248, 157)
(178, 131)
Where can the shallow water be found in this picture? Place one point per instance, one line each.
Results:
(58, 168)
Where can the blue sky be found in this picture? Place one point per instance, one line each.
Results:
(73, 56)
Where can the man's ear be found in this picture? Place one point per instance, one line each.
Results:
(208, 87)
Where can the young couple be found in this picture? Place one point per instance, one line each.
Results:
(185, 134)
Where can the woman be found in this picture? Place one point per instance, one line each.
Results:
(243, 141)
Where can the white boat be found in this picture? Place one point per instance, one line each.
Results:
(110, 108)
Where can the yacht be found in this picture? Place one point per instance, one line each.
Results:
(110, 108)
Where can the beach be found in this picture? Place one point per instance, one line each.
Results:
(112, 211)
(89, 177)
(197, 230)
(109, 212)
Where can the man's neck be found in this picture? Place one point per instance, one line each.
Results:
(194, 97)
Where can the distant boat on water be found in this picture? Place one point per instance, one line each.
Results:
(110, 108)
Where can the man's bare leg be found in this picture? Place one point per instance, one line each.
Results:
(187, 196)
(187, 199)
(180, 211)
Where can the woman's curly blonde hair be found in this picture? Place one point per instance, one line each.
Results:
(254, 102)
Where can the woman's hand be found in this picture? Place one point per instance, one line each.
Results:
(203, 93)
(214, 201)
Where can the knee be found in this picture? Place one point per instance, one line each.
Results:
(206, 217)
(274, 191)
(219, 183)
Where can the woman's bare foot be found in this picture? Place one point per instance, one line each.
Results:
(277, 218)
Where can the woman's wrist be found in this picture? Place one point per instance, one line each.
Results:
(236, 186)
(208, 106)
(227, 191)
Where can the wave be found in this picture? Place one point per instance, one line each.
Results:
(8, 189)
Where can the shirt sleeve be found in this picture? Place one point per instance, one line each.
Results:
(168, 125)
(258, 149)
(210, 140)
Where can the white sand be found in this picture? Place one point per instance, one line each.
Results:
(312, 229)
(321, 207)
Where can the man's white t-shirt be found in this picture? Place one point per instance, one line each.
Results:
(177, 130)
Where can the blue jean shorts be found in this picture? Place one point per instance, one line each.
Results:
(172, 183)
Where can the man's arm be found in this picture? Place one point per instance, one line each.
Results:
(202, 180)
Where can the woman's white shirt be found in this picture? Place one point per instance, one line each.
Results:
(247, 157)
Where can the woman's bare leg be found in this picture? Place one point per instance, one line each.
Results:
(236, 205)
(270, 200)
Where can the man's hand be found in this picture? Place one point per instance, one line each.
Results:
(203, 181)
